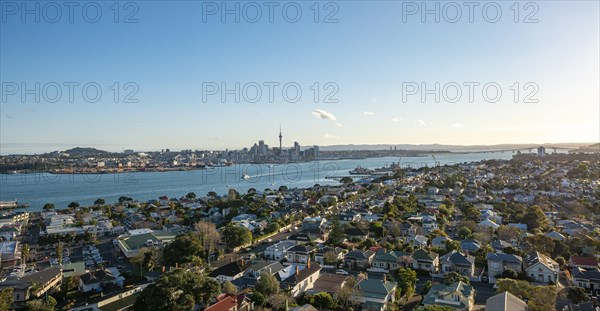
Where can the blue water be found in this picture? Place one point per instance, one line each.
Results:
(42, 188)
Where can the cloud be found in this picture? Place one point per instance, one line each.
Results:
(8, 116)
(330, 136)
(396, 119)
(458, 125)
(338, 124)
(322, 114)
(420, 122)
(368, 113)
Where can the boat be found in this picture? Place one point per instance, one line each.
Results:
(245, 177)
(359, 170)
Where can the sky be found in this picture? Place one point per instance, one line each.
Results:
(149, 75)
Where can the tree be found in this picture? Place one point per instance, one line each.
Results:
(407, 279)
(519, 288)
(41, 304)
(330, 258)
(561, 262)
(426, 288)
(577, 294)
(535, 218)
(434, 308)
(48, 206)
(454, 277)
(59, 252)
(452, 245)
(323, 301)
(190, 195)
(543, 298)
(73, 205)
(348, 295)
(236, 236)
(346, 180)
(178, 290)
(25, 252)
(99, 202)
(229, 288)
(464, 232)
(208, 235)
(267, 284)
(6, 298)
(258, 299)
(336, 234)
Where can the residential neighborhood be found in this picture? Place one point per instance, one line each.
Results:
(521, 234)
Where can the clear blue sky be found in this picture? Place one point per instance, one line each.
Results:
(369, 53)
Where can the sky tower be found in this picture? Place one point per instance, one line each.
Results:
(280, 137)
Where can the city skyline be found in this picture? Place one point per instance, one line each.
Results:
(364, 79)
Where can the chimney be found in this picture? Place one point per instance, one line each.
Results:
(384, 278)
(308, 264)
(230, 259)
(176, 265)
(297, 270)
(163, 269)
(242, 261)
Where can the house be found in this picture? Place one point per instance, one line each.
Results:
(45, 281)
(302, 280)
(588, 279)
(556, 236)
(424, 260)
(299, 253)
(270, 267)
(418, 240)
(231, 302)
(440, 241)
(375, 294)
(470, 245)
(584, 262)
(488, 224)
(497, 263)
(278, 250)
(350, 216)
(320, 255)
(499, 245)
(98, 280)
(304, 307)
(458, 296)
(408, 229)
(229, 272)
(329, 283)
(541, 268)
(505, 302)
(356, 234)
(389, 260)
(457, 262)
(359, 259)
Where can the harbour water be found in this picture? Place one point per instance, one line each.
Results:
(40, 188)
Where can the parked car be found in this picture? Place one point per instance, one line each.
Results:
(341, 272)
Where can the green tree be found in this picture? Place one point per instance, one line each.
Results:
(336, 234)
(519, 288)
(535, 218)
(99, 202)
(48, 206)
(426, 288)
(407, 279)
(464, 232)
(543, 298)
(577, 294)
(6, 298)
(73, 205)
(346, 180)
(178, 290)
(236, 236)
(47, 304)
(434, 308)
(59, 252)
(258, 299)
(267, 285)
(25, 252)
(452, 245)
(229, 288)
(190, 195)
(561, 261)
(453, 277)
(323, 301)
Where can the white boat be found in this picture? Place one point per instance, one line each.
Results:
(245, 177)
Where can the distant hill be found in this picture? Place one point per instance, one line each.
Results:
(86, 152)
(455, 148)
(590, 148)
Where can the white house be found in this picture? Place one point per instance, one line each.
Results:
(541, 268)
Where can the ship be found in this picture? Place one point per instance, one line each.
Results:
(12, 204)
(245, 177)
(359, 170)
